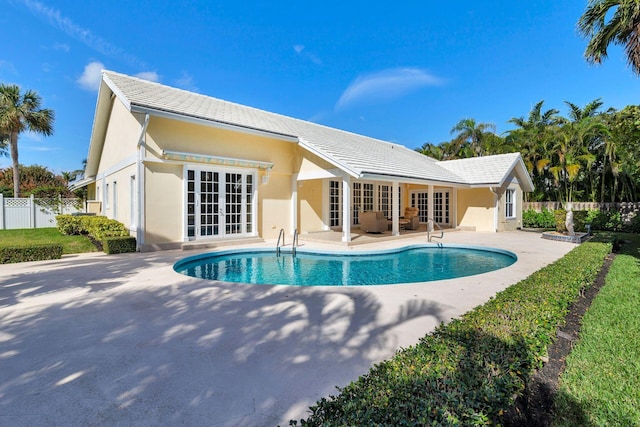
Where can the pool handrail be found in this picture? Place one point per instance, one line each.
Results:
(281, 235)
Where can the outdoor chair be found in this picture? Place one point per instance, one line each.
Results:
(412, 221)
(373, 222)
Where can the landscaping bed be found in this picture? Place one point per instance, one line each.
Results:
(472, 370)
(33, 244)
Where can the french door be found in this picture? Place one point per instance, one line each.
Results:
(219, 203)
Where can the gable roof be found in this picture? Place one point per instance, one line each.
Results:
(359, 156)
(490, 170)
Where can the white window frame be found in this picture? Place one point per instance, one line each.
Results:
(222, 171)
(114, 202)
(510, 202)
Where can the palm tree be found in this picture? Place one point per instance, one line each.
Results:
(20, 112)
(472, 133)
(612, 21)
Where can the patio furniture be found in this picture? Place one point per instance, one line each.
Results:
(373, 222)
(411, 220)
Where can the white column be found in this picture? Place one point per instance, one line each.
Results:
(294, 203)
(395, 209)
(1, 212)
(346, 206)
(430, 203)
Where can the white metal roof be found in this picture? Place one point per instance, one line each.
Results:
(358, 155)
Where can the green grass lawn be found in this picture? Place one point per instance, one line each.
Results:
(601, 383)
(70, 244)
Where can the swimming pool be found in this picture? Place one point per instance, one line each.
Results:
(417, 263)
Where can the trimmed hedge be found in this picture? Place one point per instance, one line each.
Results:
(35, 252)
(119, 245)
(470, 371)
(100, 229)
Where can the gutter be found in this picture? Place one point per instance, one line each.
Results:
(140, 155)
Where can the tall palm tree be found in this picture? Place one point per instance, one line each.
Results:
(612, 21)
(472, 133)
(20, 112)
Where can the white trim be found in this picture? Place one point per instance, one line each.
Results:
(514, 213)
(185, 157)
(211, 123)
(294, 203)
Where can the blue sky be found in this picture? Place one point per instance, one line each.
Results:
(405, 72)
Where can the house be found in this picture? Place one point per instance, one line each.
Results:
(176, 166)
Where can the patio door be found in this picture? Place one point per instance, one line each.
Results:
(420, 200)
(219, 203)
(441, 207)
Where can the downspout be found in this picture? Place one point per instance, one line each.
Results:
(140, 155)
(495, 208)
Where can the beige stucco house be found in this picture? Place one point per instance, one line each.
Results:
(176, 166)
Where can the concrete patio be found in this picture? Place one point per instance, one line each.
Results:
(119, 340)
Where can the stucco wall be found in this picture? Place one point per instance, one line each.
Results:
(121, 139)
(274, 197)
(164, 210)
(310, 200)
(475, 209)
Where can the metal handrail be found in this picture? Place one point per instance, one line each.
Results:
(281, 235)
(295, 242)
(430, 227)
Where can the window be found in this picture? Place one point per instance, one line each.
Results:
(106, 196)
(114, 203)
(510, 201)
(335, 203)
(133, 190)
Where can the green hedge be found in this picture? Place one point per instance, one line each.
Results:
(468, 371)
(35, 252)
(533, 219)
(119, 245)
(99, 228)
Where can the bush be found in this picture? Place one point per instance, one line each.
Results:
(605, 220)
(35, 252)
(119, 245)
(469, 371)
(69, 224)
(634, 224)
(97, 227)
(560, 216)
(533, 219)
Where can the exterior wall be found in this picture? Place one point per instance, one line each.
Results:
(274, 197)
(310, 203)
(504, 223)
(164, 207)
(121, 138)
(119, 199)
(475, 210)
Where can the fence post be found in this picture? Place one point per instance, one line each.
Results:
(1, 212)
(33, 211)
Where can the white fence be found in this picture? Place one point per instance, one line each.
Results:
(34, 213)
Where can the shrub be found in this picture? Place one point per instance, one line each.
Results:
(560, 216)
(35, 252)
(605, 220)
(634, 224)
(469, 371)
(533, 219)
(97, 227)
(119, 245)
(69, 224)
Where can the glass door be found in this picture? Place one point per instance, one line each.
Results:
(219, 204)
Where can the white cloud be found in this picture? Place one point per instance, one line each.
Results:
(61, 47)
(8, 66)
(152, 76)
(84, 35)
(91, 76)
(300, 50)
(187, 82)
(385, 85)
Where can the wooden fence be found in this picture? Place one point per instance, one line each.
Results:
(31, 212)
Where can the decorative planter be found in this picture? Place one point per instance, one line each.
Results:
(576, 238)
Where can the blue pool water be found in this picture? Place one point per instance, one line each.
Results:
(405, 265)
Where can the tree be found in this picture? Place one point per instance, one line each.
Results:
(606, 22)
(472, 134)
(20, 112)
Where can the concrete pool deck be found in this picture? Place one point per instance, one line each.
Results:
(97, 339)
